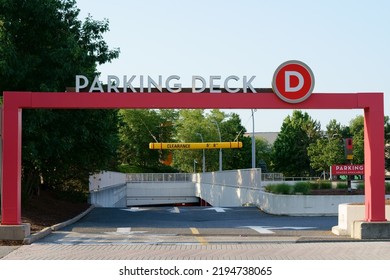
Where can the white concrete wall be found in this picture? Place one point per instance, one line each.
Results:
(109, 196)
(348, 213)
(229, 188)
(106, 179)
(307, 205)
(151, 189)
(227, 196)
(242, 187)
(294, 205)
(235, 178)
(232, 188)
(149, 193)
(114, 189)
(108, 189)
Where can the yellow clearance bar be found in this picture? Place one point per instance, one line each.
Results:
(195, 146)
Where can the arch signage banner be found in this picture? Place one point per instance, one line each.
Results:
(293, 83)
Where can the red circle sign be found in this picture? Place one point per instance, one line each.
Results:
(293, 81)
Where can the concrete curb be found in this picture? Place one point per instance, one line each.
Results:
(36, 236)
(48, 230)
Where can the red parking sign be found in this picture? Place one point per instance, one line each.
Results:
(293, 81)
(348, 169)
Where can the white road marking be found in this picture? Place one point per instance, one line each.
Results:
(217, 209)
(294, 228)
(123, 229)
(135, 209)
(268, 230)
(175, 210)
(261, 230)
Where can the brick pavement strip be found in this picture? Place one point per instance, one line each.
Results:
(5, 250)
(257, 251)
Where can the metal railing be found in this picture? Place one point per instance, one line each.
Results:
(187, 177)
(280, 177)
(301, 178)
(158, 177)
(272, 177)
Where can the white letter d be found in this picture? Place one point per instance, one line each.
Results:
(287, 80)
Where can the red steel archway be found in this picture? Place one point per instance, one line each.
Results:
(14, 102)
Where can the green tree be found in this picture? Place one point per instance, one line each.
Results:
(193, 123)
(263, 154)
(189, 126)
(71, 144)
(357, 133)
(232, 130)
(328, 149)
(138, 129)
(289, 154)
(356, 130)
(43, 45)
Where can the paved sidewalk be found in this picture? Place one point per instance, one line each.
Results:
(5, 250)
(261, 251)
(200, 239)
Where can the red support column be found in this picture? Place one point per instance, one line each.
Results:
(374, 162)
(11, 179)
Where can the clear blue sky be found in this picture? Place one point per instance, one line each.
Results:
(346, 44)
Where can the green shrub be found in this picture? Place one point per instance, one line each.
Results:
(305, 187)
(360, 186)
(302, 187)
(282, 188)
(126, 168)
(342, 185)
(324, 185)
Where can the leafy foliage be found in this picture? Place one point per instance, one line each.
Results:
(138, 129)
(232, 130)
(282, 188)
(356, 128)
(289, 154)
(195, 125)
(303, 187)
(43, 45)
(263, 154)
(329, 149)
